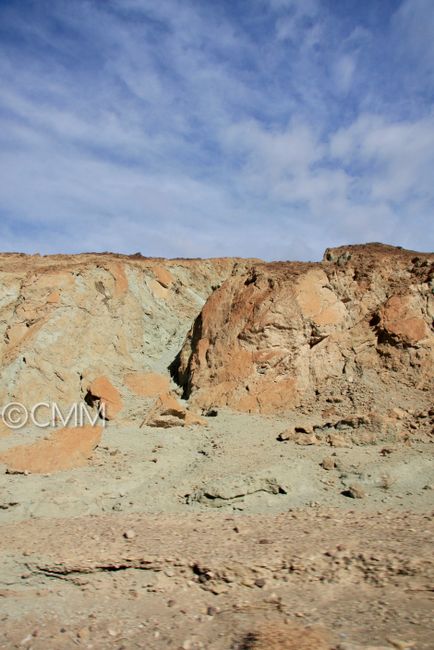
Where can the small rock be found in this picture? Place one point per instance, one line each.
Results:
(211, 413)
(260, 582)
(26, 639)
(401, 645)
(83, 633)
(211, 611)
(355, 492)
(328, 463)
(129, 534)
(336, 440)
(306, 439)
(399, 414)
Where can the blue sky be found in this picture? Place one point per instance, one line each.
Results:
(266, 128)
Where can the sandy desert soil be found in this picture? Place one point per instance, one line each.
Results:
(204, 537)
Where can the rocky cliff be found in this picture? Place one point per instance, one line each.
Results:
(352, 332)
(97, 327)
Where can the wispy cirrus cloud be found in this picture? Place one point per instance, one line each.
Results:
(273, 128)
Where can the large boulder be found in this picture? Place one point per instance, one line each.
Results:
(284, 335)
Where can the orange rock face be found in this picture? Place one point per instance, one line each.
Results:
(284, 334)
(64, 449)
(67, 320)
(148, 384)
(108, 396)
(402, 317)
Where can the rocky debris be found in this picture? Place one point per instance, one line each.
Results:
(344, 432)
(61, 450)
(355, 491)
(221, 491)
(299, 437)
(168, 412)
(356, 646)
(400, 645)
(280, 636)
(229, 587)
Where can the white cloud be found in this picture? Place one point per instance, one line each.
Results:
(343, 72)
(182, 129)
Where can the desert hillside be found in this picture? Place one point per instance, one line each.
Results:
(258, 473)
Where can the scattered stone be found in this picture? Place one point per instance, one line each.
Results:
(83, 633)
(336, 440)
(220, 491)
(400, 644)
(210, 413)
(355, 491)
(129, 534)
(328, 463)
(260, 582)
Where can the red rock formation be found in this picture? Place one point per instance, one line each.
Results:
(108, 396)
(285, 335)
(63, 449)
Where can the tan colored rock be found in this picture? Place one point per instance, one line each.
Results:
(66, 320)
(290, 636)
(168, 412)
(109, 397)
(163, 276)
(148, 384)
(328, 463)
(337, 440)
(277, 337)
(306, 439)
(5, 431)
(356, 491)
(63, 449)
(402, 317)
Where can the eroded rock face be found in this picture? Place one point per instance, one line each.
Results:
(344, 331)
(334, 337)
(99, 328)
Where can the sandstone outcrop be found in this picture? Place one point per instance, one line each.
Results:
(288, 335)
(61, 450)
(99, 328)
